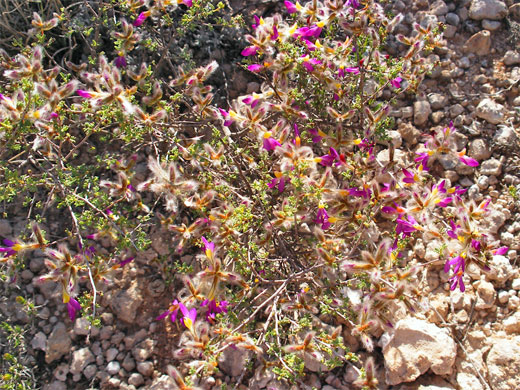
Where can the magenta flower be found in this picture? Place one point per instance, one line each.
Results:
(501, 251)
(84, 94)
(189, 316)
(120, 62)
(468, 161)
(255, 67)
(251, 100)
(73, 307)
(274, 36)
(409, 177)
(309, 63)
(396, 83)
(11, 248)
(279, 182)
(269, 142)
(291, 8)
(214, 307)
(453, 232)
(171, 312)
(353, 3)
(407, 227)
(141, 18)
(187, 3)
(322, 218)
(250, 51)
(342, 70)
(308, 32)
(476, 245)
(256, 23)
(364, 193)
(228, 116)
(423, 160)
(317, 135)
(328, 159)
(459, 265)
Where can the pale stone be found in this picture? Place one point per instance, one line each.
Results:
(487, 9)
(416, 346)
(503, 363)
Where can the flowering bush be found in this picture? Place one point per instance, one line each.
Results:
(306, 218)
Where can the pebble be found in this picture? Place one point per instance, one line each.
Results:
(503, 296)
(490, 111)
(487, 9)
(515, 285)
(113, 367)
(491, 167)
(479, 149)
(81, 326)
(145, 368)
(111, 354)
(136, 379)
(422, 110)
(90, 371)
(479, 43)
(452, 18)
(491, 25)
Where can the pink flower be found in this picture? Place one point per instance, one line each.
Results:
(187, 3)
(396, 83)
(189, 316)
(469, 161)
(279, 181)
(257, 22)
(73, 307)
(228, 119)
(274, 36)
(270, 143)
(459, 265)
(250, 51)
(141, 18)
(214, 307)
(501, 251)
(255, 67)
(322, 218)
(354, 70)
(406, 227)
(84, 94)
(309, 63)
(120, 62)
(171, 312)
(291, 8)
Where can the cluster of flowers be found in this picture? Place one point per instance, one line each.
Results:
(312, 215)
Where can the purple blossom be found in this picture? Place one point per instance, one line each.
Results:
(422, 160)
(84, 94)
(171, 312)
(274, 36)
(469, 161)
(214, 307)
(279, 182)
(407, 226)
(308, 32)
(269, 142)
(257, 22)
(250, 51)
(459, 265)
(141, 18)
(73, 307)
(352, 3)
(255, 67)
(189, 316)
(322, 218)
(11, 247)
(291, 8)
(309, 63)
(120, 62)
(317, 135)
(396, 83)
(228, 117)
(354, 70)
(501, 251)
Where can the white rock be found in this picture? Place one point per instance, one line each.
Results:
(468, 381)
(113, 367)
(491, 25)
(479, 43)
(416, 346)
(490, 111)
(491, 167)
(501, 270)
(81, 326)
(421, 110)
(439, 8)
(503, 363)
(58, 343)
(80, 359)
(479, 149)
(511, 58)
(512, 323)
(487, 9)
(39, 341)
(505, 136)
(516, 284)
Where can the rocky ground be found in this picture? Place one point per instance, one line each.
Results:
(465, 341)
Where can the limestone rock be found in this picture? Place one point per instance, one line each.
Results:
(81, 359)
(126, 302)
(416, 346)
(501, 270)
(479, 149)
(164, 382)
(479, 43)
(487, 9)
(409, 133)
(490, 111)
(491, 167)
(512, 323)
(58, 343)
(421, 110)
(503, 363)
